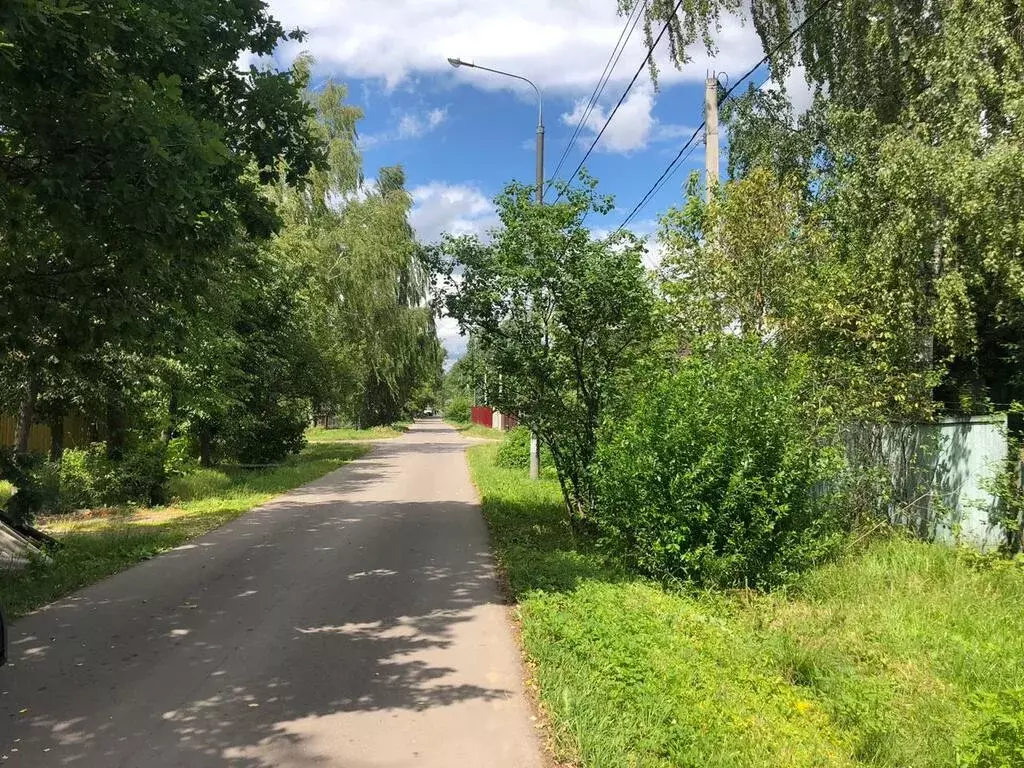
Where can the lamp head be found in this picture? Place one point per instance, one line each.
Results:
(456, 62)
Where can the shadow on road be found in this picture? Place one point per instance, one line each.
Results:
(243, 647)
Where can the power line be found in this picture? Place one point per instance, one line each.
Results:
(674, 165)
(663, 179)
(647, 58)
(609, 69)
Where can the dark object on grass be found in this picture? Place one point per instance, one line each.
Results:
(34, 535)
(3, 638)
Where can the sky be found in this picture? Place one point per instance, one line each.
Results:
(461, 134)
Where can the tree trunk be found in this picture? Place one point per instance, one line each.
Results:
(116, 426)
(205, 448)
(56, 437)
(26, 414)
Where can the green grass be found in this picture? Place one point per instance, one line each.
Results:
(100, 545)
(903, 654)
(324, 435)
(476, 430)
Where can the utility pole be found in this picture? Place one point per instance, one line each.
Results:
(534, 439)
(711, 133)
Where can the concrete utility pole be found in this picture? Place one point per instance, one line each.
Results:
(534, 441)
(711, 133)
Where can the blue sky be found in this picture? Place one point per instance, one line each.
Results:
(462, 134)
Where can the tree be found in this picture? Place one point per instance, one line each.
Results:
(911, 155)
(758, 261)
(367, 280)
(562, 317)
(132, 149)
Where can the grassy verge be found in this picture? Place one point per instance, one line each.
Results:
(476, 430)
(324, 435)
(98, 544)
(903, 654)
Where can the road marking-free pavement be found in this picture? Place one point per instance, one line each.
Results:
(354, 622)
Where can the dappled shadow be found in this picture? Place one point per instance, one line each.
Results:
(293, 636)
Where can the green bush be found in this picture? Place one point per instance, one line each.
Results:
(6, 491)
(514, 451)
(87, 478)
(77, 483)
(459, 410)
(198, 484)
(139, 477)
(999, 743)
(21, 471)
(267, 435)
(712, 475)
(181, 456)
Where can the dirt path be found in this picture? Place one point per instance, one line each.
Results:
(353, 622)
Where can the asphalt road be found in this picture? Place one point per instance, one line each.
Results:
(353, 622)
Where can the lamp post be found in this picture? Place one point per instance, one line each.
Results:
(534, 442)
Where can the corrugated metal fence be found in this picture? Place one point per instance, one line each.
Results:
(941, 475)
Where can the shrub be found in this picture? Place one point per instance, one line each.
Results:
(712, 476)
(180, 457)
(139, 477)
(6, 491)
(77, 483)
(199, 484)
(87, 478)
(267, 435)
(514, 451)
(21, 471)
(459, 410)
(999, 743)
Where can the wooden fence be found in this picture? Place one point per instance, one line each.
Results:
(76, 433)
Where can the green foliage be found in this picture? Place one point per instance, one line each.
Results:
(77, 481)
(754, 260)
(133, 150)
(20, 471)
(137, 478)
(458, 410)
(999, 742)
(267, 433)
(1004, 483)
(7, 490)
(514, 451)
(900, 655)
(179, 457)
(713, 474)
(561, 316)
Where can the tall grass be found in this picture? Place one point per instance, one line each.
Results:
(325, 435)
(903, 654)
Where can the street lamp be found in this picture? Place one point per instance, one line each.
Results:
(540, 118)
(534, 442)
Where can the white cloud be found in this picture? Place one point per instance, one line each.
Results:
(450, 335)
(632, 128)
(460, 209)
(410, 126)
(629, 130)
(563, 45)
